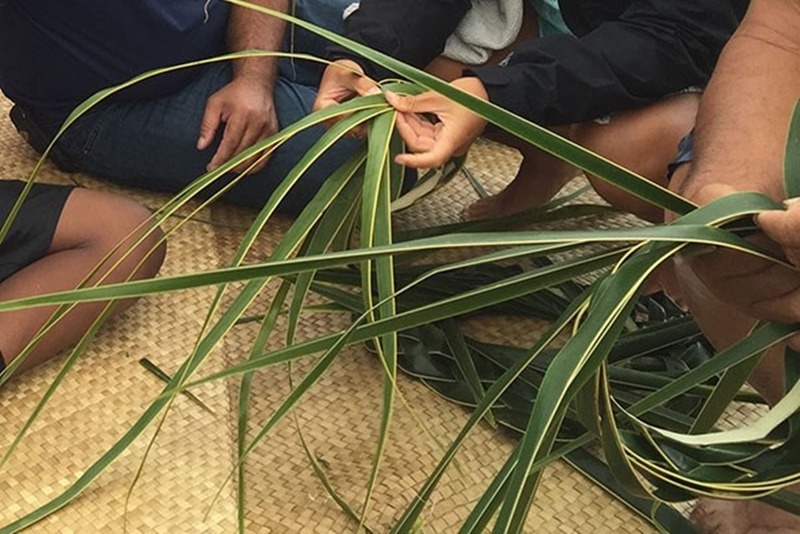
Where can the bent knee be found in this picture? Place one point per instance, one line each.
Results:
(141, 240)
(117, 229)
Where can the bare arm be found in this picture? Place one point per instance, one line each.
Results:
(246, 104)
(740, 140)
(248, 29)
(743, 120)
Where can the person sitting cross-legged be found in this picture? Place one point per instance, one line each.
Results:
(169, 130)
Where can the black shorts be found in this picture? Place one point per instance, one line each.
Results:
(34, 226)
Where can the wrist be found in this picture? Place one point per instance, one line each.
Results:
(471, 85)
(260, 72)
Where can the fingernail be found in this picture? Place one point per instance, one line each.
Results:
(790, 201)
(374, 91)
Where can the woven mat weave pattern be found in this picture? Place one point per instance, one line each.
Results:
(108, 389)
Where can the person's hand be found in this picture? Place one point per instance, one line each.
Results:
(341, 81)
(433, 144)
(760, 288)
(246, 108)
(783, 227)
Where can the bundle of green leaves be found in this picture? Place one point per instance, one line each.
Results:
(656, 426)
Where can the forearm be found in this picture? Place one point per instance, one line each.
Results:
(248, 29)
(744, 118)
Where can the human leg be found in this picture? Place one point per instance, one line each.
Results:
(539, 177)
(90, 225)
(152, 144)
(642, 140)
(724, 326)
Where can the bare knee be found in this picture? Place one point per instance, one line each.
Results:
(139, 243)
(604, 141)
(644, 141)
(115, 231)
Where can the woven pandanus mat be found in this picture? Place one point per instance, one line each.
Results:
(339, 418)
(107, 391)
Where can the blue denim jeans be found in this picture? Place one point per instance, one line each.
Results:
(151, 144)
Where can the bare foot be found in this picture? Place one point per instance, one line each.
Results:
(498, 205)
(713, 516)
(539, 178)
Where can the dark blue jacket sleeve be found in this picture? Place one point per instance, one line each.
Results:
(413, 31)
(652, 49)
(625, 54)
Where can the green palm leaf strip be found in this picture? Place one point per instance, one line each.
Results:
(376, 230)
(463, 356)
(695, 234)
(761, 339)
(412, 513)
(664, 517)
(791, 159)
(308, 381)
(336, 222)
(613, 448)
(245, 387)
(517, 126)
(582, 355)
(237, 308)
(724, 393)
(756, 431)
(319, 471)
(340, 183)
(291, 241)
(463, 303)
(351, 335)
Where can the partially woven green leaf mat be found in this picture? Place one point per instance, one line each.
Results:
(195, 451)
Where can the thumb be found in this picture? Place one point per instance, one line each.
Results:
(364, 86)
(212, 117)
(322, 102)
(781, 225)
(405, 103)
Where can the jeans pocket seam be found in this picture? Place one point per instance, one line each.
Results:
(94, 133)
